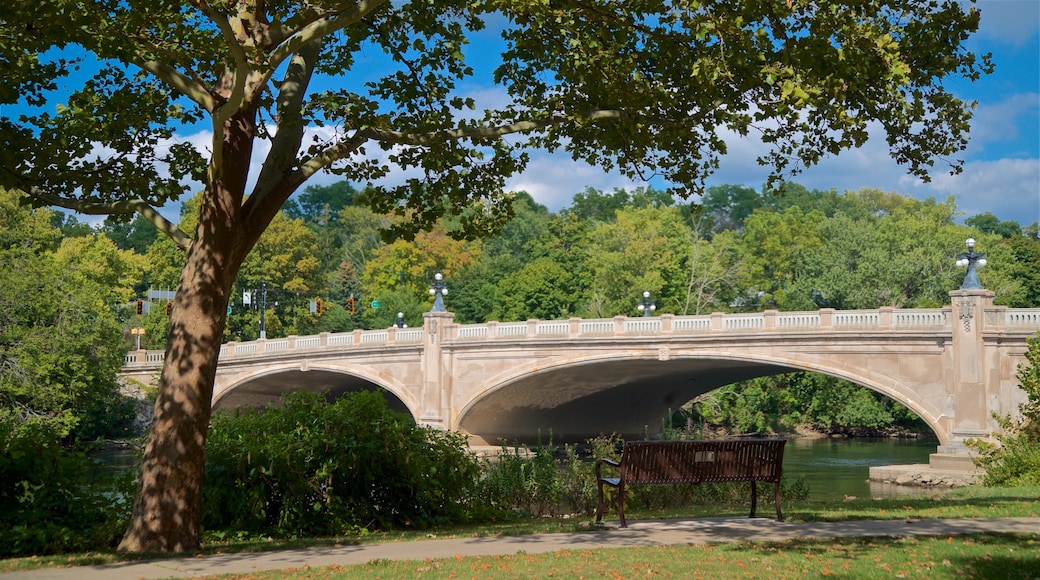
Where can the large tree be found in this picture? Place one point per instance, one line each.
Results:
(650, 87)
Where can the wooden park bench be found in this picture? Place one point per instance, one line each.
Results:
(721, 461)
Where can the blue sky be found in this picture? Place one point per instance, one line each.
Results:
(1002, 163)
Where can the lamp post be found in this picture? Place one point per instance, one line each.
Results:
(438, 289)
(647, 306)
(971, 259)
(400, 323)
(263, 307)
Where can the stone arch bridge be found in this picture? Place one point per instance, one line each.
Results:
(953, 366)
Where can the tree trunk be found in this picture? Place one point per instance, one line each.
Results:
(168, 503)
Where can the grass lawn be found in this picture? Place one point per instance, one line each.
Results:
(966, 556)
(983, 557)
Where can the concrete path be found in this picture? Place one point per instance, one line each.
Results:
(648, 533)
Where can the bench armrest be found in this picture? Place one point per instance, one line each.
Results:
(601, 462)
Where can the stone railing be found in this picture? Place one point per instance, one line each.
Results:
(826, 320)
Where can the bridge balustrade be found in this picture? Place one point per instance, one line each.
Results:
(642, 326)
(744, 322)
(798, 320)
(918, 318)
(1021, 318)
(553, 328)
(691, 324)
(470, 332)
(599, 327)
(997, 318)
(409, 335)
(855, 319)
(340, 339)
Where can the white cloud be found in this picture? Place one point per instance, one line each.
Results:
(1007, 188)
(1010, 21)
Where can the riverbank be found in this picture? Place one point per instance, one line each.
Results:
(922, 475)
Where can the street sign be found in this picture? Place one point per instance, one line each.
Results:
(376, 304)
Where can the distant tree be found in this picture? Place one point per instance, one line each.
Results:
(540, 289)
(643, 250)
(728, 206)
(828, 202)
(714, 270)
(991, 224)
(136, 234)
(594, 205)
(1025, 268)
(60, 339)
(775, 249)
(70, 225)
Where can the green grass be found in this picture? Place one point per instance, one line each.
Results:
(969, 502)
(981, 556)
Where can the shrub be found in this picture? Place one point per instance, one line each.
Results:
(312, 468)
(52, 499)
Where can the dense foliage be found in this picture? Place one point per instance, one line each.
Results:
(1016, 459)
(311, 468)
(60, 334)
(52, 499)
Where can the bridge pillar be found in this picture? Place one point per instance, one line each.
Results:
(968, 393)
(435, 397)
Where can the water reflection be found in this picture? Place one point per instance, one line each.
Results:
(837, 468)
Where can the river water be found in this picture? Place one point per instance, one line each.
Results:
(836, 468)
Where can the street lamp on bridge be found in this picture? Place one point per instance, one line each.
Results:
(647, 306)
(400, 323)
(438, 289)
(971, 259)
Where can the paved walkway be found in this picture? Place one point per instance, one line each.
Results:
(649, 533)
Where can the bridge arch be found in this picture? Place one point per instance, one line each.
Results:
(259, 387)
(625, 392)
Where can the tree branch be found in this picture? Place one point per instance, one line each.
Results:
(403, 138)
(181, 83)
(322, 27)
(115, 208)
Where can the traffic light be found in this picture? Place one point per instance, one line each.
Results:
(169, 309)
(140, 307)
(319, 309)
(350, 305)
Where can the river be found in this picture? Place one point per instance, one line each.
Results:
(836, 468)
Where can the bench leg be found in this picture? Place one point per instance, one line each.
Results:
(599, 506)
(621, 505)
(754, 497)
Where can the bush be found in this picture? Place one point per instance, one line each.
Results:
(52, 499)
(311, 468)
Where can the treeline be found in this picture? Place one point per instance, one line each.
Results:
(739, 249)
